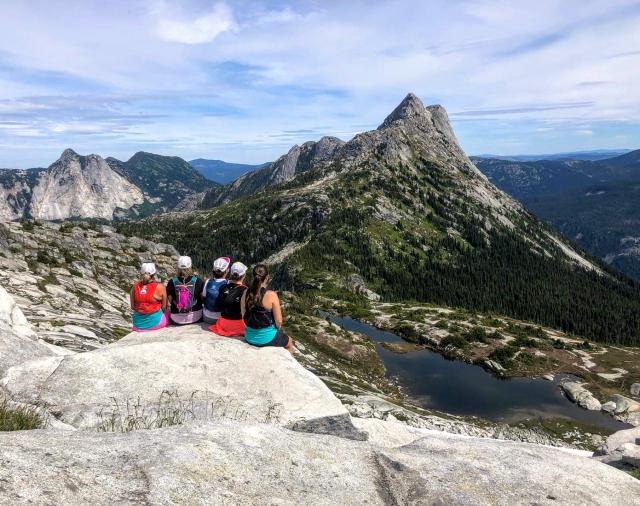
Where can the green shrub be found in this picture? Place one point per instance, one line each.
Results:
(526, 358)
(560, 345)
(477, 334)
(442, 324)
(503, 355)
(18, 418)
(44, 257)
(495, 335)
(524, 342)
(407, 330)
(75, 272)
(66, 227)
(454, 340)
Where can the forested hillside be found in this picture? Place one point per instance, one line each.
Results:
(403, 208)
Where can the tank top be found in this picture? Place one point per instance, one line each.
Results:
(257, 317)
(229, 301)
(143, 300)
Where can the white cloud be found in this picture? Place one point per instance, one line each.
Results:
(145, 73)
(584, 132)
(199, 30)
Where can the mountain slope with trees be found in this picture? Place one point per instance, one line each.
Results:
(403, 208)
(593, 203)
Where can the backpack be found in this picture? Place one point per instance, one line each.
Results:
(211, 292)
(185, 294)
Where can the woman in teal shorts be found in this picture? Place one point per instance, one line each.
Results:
(261, 313)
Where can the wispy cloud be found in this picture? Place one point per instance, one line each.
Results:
(195, 30)
(244, 80)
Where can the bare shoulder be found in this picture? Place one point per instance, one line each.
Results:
(271, 296)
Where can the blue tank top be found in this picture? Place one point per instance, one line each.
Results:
(212, 290)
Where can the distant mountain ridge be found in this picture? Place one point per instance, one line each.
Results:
(596, 203)
(220, 171)
(591, 155)
(76, 186)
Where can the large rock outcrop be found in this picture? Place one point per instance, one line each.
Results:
(89, 186)
(232, 424)
(185, 372)
(230, 463)
(81, 186)
(71, 280)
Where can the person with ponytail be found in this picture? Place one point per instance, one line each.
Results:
(262, 314)
(148, 301)
(230, 323)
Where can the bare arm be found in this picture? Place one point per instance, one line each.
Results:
(161, 296)
(243, 304)
(131, 300)
(275, 308)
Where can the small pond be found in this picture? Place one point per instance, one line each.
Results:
(456, 387)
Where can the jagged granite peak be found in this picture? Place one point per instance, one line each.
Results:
(298, 159)
(410, 123)
(81, 186)
(410, 109)
(77, 186)
(69, 154)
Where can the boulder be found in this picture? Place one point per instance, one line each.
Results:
(494, 366)
(624, 405)
(619, 438)
(609, 407)
(635, 389)
(178, 374)
(621, 449)
(230, 463)
(580, 395)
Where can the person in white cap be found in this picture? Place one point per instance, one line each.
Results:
(184, 293)
(148, 301)
(211, 290)
(230, 322)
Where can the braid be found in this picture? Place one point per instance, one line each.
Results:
(260, 273)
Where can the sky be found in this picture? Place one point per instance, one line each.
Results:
(243, 81)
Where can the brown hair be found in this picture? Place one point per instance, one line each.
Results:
(260, 273)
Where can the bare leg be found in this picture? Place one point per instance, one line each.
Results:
(289, 346)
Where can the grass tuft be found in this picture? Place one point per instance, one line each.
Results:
(18, 418)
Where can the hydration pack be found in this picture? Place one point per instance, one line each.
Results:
(211, 292)
(185, 294)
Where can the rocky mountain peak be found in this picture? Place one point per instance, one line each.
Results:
(410, 109)
(68, 154)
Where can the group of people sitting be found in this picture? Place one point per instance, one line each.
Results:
(233, 308)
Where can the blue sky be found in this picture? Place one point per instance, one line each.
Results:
(245, 80)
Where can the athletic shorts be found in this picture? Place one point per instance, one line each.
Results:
(281, 340)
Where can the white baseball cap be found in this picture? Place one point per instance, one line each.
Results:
(184, 262)
(239, 269)
(148, 268)
(221, 264)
